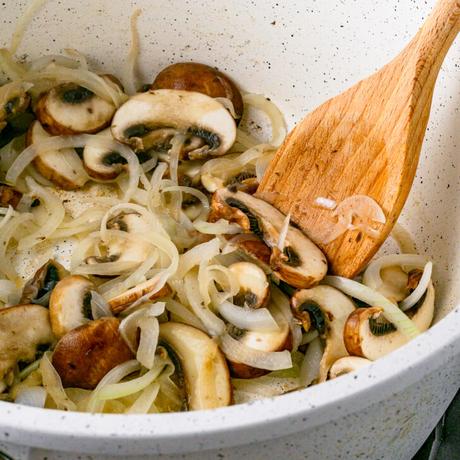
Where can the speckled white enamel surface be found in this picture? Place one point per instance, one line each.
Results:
(299, 53)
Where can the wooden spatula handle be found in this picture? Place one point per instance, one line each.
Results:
(435, 37)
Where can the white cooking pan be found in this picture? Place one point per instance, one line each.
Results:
(297, 52)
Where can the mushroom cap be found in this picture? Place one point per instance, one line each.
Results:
(62, 167)
(151, 119)
(360, 341)
(70, 304)
(203, 365)
(72, 109)
(346, 365)
(192, 76)
(9, 196)
(336, 307)
(84, 355)
(254, 287)
(22, 329)
(301, 263)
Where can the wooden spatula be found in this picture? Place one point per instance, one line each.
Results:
(365, 141)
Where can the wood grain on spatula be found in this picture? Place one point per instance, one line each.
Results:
(365, 141)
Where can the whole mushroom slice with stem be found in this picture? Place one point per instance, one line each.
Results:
(38, 289)
(193, 76)
(299, 263)
(270, 341)
(23, 328)
(101, 163)
(200, 365)
(327, 310)
(84, 355)
(72, 109)
(62, 167)
(150, 120)
(70, 304)
(367, 334)
(9, 196)
(346, 365)
(254, 289)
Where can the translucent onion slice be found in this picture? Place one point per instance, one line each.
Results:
(238, 352)
(421, 288)
(99, 306)
(278, 124)
(195, 192)
(309, 369)
(34, 396)
(262, 165)
(12, 69)
(404, 239)
(221, 227)
(145, 400)
(283, 232)
(247, 318)
(194, 256)
(10, 293)
(131, 76)
(372, 276)
(95, 404)
(309, 337)
(183, 314)
(361, 292)
(53, 384)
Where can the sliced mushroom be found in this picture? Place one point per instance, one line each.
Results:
(72, 109)
(84, 355)
(9, 196)
(300, 264)
(150, 120)
(101, 163)
(201, 364)
(253, 247)
(62, 167)
(367, 336)
(192, 76)
(244, 182)
(38, 289)
(70, 304)
(346, 365)
(254, 287)
(22, 329)
(328, 310)
(278, 340)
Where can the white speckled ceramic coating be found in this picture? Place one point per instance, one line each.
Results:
(297, 52)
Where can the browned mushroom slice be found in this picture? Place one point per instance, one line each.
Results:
(72, 109)
(328, 310)
(70, 304)
(254, 288)
(84, 355)
(277, 340)
(62, 167)
(22, 329)
(38, 289)
(150, 120)
(9, 196)
(368, 335)
(300, 264)
(192, 76)
(201, 365)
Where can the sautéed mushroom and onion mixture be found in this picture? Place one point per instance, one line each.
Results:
(161, 281)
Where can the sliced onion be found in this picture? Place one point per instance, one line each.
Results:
(53, 384)
(266, 386)
(31, 396)
(184, 314)
(246, 318)
(99, 306)
(120, 390)
(309, 369)
(228, 104)
(194, 256)
(131, 77)
(12, 69)
(278, 124)
(221, 227)
(269, 360)
(105, 268)
(309, 336)
(262, 165)
(95, 404)
(404, 239)
(373, 298)
(145, 400)
(372, 276)
(9, 292)
(283, 232)
(195, 192)
(245, 139)
(420, 290)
